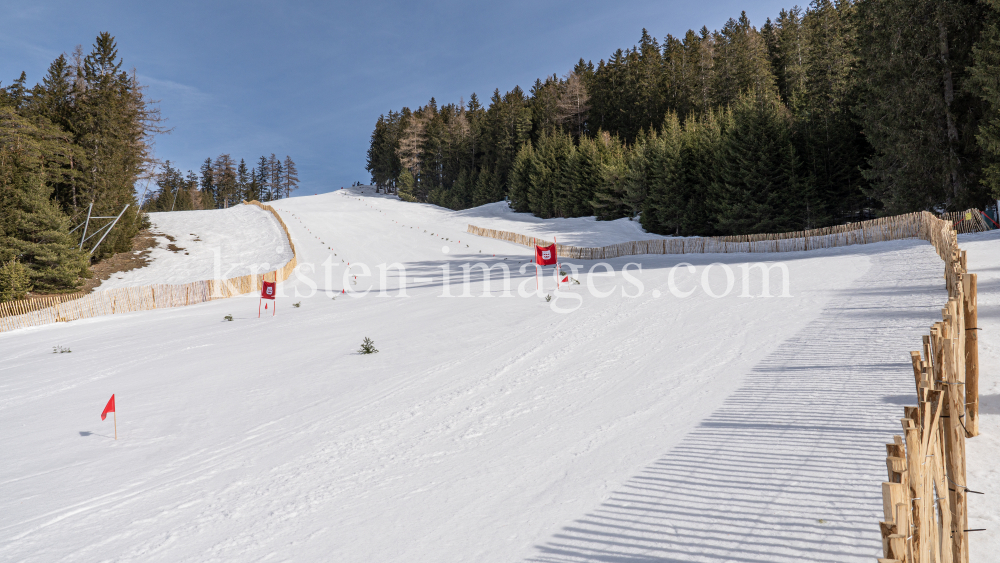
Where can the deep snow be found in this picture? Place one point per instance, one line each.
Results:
(485, 429)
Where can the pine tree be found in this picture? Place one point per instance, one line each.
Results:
(487, 188)
(609, 196)
(291, 182)
(830, 142)
(520, 178)
(758, 190)
(264, 177)
(208, 192)
(33, 230)
(112, 124)
(15, 281)
(406, 186)
(573, 103)
(550, 162)
(274, 182)
(224, 177)
(741, 62)
(663, 207)
(242, 181)
(985, 83)
(253, 187)
(787, 51)
(701, 147)
(585, 177)
(191, 186)
(645, 148)
(916, 113)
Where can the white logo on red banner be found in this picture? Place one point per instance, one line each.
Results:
(546, 255)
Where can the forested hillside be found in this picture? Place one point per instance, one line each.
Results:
(836, 112)
(81, 136)
(81, 141)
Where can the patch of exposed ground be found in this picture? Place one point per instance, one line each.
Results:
(121, 262)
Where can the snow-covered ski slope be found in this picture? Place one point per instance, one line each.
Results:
(205, 245)
(487, 429)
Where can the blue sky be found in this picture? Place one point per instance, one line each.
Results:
(309, 79)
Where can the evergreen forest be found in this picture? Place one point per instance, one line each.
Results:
(80, 141)
(838, 112)
(222, 183)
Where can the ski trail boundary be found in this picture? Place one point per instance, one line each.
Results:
(898, 227)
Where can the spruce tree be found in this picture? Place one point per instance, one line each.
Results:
(253, 187)
(663, 207)
(112, 124)
(406, 186)
(585, 178)
(520, 178)
(264, 177)
(242, 180)
(829, 139)
(758, 181)
(916, 113)
(15, 281)
(609, 197)
(291, 180)
(208, 193)
(700, 157)
(274, 181)
(33, 230)
(985, 83)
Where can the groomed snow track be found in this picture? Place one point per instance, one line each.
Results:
(635, 429)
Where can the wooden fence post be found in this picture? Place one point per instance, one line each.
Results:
(971, 354)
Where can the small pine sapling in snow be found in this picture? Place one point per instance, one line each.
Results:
(60, 350)
(296, 305)
(368, 347)
(548, 298)
(228, 317)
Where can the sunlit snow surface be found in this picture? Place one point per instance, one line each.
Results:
(224, 243)
(486, 429)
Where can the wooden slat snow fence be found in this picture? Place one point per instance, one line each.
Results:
(875, 230)
(35, 312)
(924, 499)
(926, 516)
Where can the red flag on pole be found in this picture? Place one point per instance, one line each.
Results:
(110, 407)
(266, 292)
(545, 255)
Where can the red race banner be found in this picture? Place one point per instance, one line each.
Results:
(545, 255)
(267, 291)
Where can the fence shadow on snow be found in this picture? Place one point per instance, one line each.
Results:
(702, 503)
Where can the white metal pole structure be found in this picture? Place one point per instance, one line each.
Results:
(109, 229)
(86, 224)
